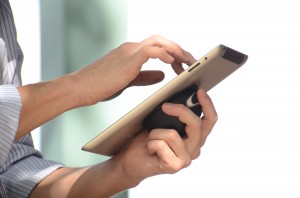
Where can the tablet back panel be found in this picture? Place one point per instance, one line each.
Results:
(207, 72)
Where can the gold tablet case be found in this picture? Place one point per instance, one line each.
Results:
(207, 72)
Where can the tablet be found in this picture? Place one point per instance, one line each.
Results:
(205, 73)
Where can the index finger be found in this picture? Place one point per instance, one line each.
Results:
(210, 114)
(179, 54)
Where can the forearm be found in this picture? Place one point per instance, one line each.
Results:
(102, 180)
(43, 101)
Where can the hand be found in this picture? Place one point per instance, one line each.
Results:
(163, 150)
(100, 80)
(158, 152)
(121, 68)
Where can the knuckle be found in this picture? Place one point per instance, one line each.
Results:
(156, 37)
(186, 162)
(172, 134)
(179, 164)
(172, 170)
(125, 45)
(215, 118)
(143, 50)
(181, 107)
(196, 153)
(161, 144)
(175, 167)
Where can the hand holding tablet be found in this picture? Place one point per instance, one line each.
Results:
(205, 73)
(157, 119)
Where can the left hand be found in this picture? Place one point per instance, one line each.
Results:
(163, 150)
(158, 152)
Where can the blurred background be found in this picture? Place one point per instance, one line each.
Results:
(253, 150)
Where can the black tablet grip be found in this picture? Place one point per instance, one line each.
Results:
(157, 119)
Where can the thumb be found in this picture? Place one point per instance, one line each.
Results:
(144, 78)
(147, 78)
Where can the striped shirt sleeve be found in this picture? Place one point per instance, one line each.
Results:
(21, 166)
(10, 108)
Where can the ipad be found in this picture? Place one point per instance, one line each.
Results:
(205, 73)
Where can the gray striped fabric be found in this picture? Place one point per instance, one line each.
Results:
(21, 166)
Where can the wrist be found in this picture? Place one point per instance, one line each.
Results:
(118, 175)
(86, 92)
(104, 180)
(72, 91)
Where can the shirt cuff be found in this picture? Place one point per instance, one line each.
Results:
(10, 110)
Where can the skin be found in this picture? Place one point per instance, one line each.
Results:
(162, 151)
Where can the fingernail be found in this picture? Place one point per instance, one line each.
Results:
(168, 105)
(203, 92)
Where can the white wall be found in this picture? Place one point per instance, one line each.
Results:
(27, 19)
(255, 147)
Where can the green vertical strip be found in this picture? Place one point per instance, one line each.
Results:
(52, 44)
(75, 33)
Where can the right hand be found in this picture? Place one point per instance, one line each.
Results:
(121, 67)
